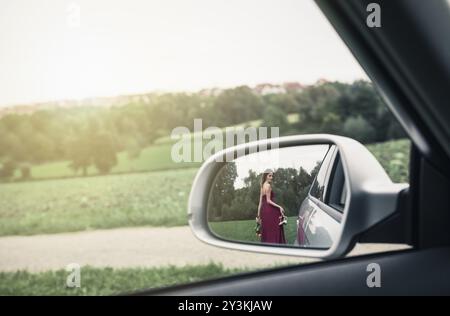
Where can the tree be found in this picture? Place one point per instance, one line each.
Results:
(275, 117)
(290, 185)
(25, 171)
(39, 148)
(395, 130)
(314, 103)
(7, 170)
(237, 105)
(359, 129)
(103, 152)
(223, 191)
(303, 182)
(284, 101)
(12, 147)
(285, 187)
(80, 154)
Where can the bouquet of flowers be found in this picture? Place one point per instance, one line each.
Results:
(283, 220)
(258, 227)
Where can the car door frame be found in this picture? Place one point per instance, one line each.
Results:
(322, 205)
(317, 205)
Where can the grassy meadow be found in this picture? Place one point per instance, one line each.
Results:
(63, 205)
(107, 281)
(157, 198)
(152, 158)
(245, 230)
(291, 119)
(394, 157)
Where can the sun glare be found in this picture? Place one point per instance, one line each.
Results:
(78, 70)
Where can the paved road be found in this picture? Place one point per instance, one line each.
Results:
(132, 247)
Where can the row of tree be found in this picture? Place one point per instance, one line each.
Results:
(92, 136)
(227, 203)
(354, 110)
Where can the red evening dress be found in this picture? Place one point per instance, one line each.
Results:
(271, 231)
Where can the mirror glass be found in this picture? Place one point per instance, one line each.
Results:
(291, 196)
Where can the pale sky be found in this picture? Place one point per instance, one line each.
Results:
(305, 156)
(136, 46)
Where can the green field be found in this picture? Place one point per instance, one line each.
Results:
(394, 157)
(152, 158)
(107, 281)
(63, 205)
(291, 118)
(137, 199)
(244, 230)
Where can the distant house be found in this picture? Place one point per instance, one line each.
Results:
(293, 86)
(268, 88)
(211, 92)
(321, 81)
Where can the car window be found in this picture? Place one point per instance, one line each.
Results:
(109, 108)
(318, 186)
(338, 191)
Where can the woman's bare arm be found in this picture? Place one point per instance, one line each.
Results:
(266, 190)
(259, 206)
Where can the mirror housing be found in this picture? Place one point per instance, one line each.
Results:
(371, 195)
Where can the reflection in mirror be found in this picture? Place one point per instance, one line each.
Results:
(280, 196)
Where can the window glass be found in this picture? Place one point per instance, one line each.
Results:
(96, 96)
(337, 192)
(318, 187)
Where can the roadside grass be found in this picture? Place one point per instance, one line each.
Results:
(107, 281)
(66, 205)
(244, 230)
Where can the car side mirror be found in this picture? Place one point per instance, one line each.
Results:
(310, 195)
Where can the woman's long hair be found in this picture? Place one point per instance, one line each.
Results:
(264, 176)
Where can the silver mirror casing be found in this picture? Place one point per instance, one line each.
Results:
(371, 198)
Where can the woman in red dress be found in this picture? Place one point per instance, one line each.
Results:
(270, 214)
